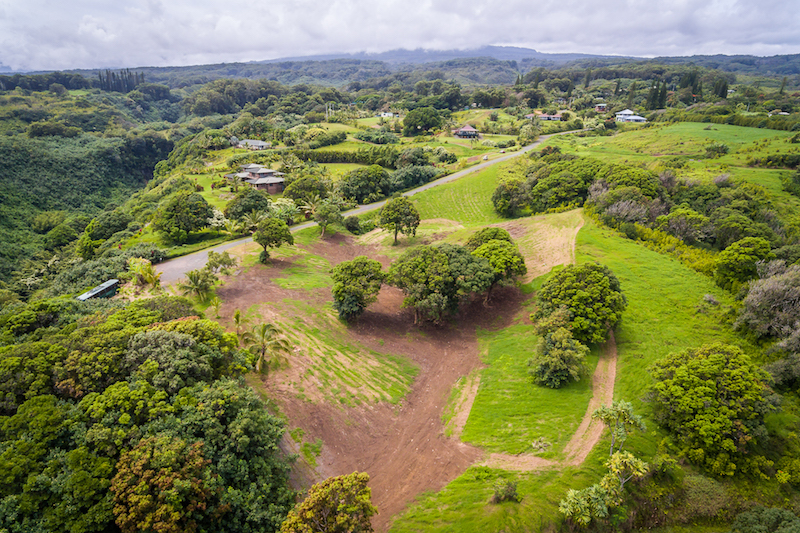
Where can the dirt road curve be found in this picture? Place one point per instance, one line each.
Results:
(175, 269)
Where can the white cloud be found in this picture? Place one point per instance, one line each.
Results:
(40, 34)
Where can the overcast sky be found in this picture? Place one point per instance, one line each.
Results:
(51, 34)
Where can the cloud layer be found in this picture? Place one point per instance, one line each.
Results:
(44, 35)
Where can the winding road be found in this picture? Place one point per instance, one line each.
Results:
(174, 269)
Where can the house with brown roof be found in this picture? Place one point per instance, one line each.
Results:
(261, 178)
(466, 132)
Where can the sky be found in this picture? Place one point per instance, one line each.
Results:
(69, 34)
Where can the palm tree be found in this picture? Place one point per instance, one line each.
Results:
(198, 283)
(250, 220)
(239, 321)
(235, 181)
(232, 227)
(266, 346)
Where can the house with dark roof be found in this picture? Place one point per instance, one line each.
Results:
(261, 178)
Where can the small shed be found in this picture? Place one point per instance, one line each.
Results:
(104, 290)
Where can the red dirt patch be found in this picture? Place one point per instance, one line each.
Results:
(402, 447)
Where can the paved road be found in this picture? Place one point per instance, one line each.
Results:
(174, 269)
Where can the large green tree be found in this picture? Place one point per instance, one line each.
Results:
(272, 233)
(181, 214)
(436, 278)
(505, 260)
(712, 400)
(355, 285)
(558, 359)
(421, 120)
(365, 184)
(736, 264)
(337, 505)
(162, 485)
(399, 215)
(592, 295)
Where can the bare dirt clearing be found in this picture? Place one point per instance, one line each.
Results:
(398, 438)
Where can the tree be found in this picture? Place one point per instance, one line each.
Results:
(338, 504)
(217, 220)
(181, 214)
(399, 215)
(305, 188)
(355, 285)
(436, 278)
(505, 260)
(772, 305)
(198, 283)
(220, 262)
(421, 120)
(162, 485)
(736, 264)
(272, 233)
(620, 420)
(592, 295)
(143, 272)
(484, 235)
(762, 520)
(247, 201)
(510, 197)
(712, 400)
(365, 184)
(558, 358)
(266, 345)
(328, 213)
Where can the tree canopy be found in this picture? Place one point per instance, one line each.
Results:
(712, 400)
(591, 294)
(399, 215)
(181, 214)
(338, 504)
(272, 233)
(436, 278)
(355, 285)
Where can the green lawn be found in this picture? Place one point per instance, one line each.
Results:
(466, 200)
(510, 412)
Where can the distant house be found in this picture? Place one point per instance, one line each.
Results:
(253, 144)
(626, 115)
(387, 115)
(466, 132)
(261, 178)
(531, 116)
(600, 108)
(545, 116)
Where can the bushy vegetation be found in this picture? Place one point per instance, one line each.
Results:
(101, 399)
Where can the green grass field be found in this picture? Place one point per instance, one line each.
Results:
(665, 314)
(466, 200)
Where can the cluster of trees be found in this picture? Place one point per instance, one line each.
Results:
(577, 305)
(129, 417)
(736, 218)
(435, 279)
